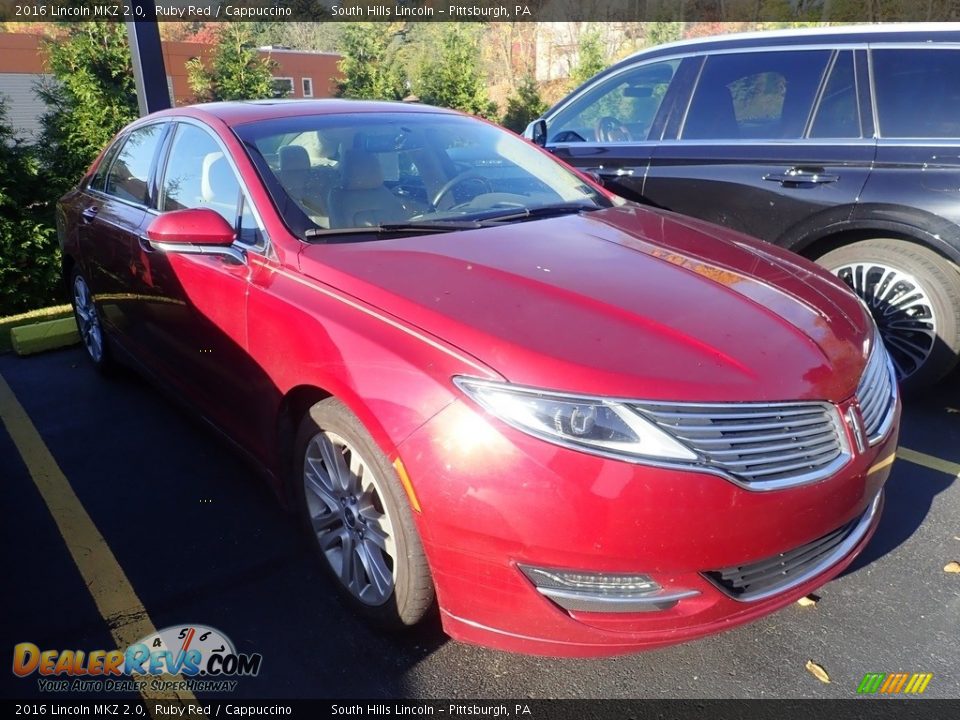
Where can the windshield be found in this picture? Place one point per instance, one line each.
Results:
(328, 173)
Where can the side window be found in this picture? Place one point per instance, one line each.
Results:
(198, 175)
(248, 231)
(918, 93)
(619, 109)
(99, 179)
(755, 96)
(129, 175)
(838, 115)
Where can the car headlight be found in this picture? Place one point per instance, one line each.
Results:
(597, 425)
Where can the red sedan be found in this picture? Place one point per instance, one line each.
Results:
(576, 425)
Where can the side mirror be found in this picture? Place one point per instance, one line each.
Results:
(197, 226)
(196, 231)
(537, 132)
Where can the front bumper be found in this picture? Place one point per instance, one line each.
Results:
(494, 499)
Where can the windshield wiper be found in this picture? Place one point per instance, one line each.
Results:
(536, 212)
(432, 226)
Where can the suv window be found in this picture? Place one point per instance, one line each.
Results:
(619, 109)
(755, 96)
(129, 175)
(838, 115)
(918, 95)
(198, 175)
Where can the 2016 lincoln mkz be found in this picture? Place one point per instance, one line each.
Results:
(570, 424)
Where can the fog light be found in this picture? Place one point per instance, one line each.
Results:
(603, 592)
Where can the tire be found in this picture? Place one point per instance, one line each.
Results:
(924, 337)
(388, 580)
(89, 323)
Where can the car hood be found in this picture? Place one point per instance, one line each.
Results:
(623, 302)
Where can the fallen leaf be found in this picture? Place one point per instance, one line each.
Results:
(817, 671)
(808, 601)
(952, 567)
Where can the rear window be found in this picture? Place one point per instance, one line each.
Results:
(918, 93)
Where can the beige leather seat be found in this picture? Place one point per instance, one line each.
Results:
(362, 199)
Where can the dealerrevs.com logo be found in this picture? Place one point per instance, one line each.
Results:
(204, 659)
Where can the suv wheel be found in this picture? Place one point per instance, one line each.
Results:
(358, 516)
(914, 295)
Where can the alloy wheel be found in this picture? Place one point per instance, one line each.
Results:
(902, 309)
(88, 323)
(349, 517)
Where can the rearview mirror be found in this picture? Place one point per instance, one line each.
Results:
(195, 231)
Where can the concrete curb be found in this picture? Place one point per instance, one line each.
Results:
(32, 317)
(49, 335)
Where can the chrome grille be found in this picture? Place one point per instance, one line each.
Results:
(761, 445)
(877, 394)
(768, 577)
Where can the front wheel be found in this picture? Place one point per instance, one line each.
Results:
(914, 296)
(359, 519)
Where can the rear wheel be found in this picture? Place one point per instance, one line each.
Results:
(88, 322)
(359, 519)
(914, 296)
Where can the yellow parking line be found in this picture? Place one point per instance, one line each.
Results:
(112, 592)
(929, 461)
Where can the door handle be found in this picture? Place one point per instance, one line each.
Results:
(611, 172)
(88, 214)
(802, 176)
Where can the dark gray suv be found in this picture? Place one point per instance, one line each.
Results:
(842, 145)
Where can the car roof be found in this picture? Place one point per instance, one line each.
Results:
(828, 35)
(240, 112)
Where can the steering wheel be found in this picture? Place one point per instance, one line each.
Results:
(457, 180)
(609, 129)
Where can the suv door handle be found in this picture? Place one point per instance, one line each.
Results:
(611, 172)
(802, 176)
(88, 214)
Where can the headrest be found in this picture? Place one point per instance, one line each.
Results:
(361, 170)
(218, 181)
(294, 157)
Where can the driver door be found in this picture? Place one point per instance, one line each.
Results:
(611, 127)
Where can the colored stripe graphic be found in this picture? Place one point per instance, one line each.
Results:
(871, 683)
(894, 683)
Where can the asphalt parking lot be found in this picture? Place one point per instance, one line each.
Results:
(201, 540)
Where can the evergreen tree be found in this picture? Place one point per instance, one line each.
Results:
(591, 58)
(370, 65)
(523, 106)
(450, 73)
(92, 96)
(29, 256)
(236, 72)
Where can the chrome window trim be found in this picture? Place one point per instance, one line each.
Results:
(267, 249)
(934, 28)
(838, 553)
(642, 58)
(820, 474)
